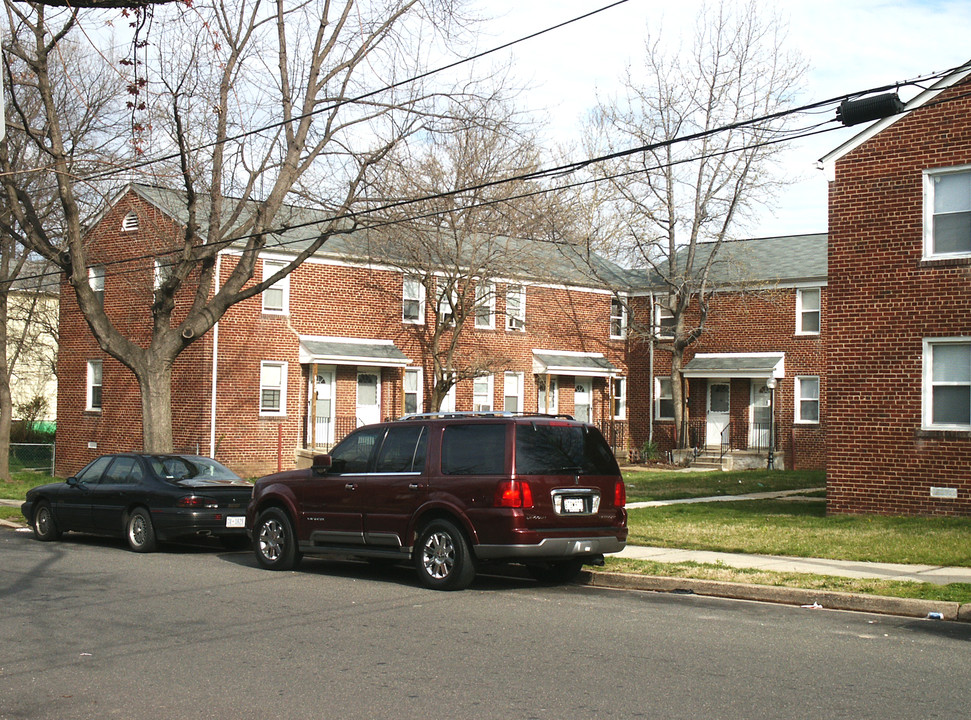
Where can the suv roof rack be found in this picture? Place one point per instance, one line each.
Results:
(479, 413)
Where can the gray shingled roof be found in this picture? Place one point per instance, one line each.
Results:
(536, 260)
(584, 365)
(378, 353)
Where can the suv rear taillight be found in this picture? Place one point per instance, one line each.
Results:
(620, 494)
(514, 494)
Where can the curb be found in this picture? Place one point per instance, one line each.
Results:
(882, 605)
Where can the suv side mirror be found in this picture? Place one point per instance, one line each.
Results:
(321, 464)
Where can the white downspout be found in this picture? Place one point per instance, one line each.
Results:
(215, 370)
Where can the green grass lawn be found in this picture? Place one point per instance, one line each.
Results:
(645, 485)
(21, 481)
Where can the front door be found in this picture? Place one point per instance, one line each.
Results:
(320, 413)
(760, 411)
(583, 400)
(368, 396)
(719, 407)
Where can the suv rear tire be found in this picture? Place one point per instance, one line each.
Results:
(443, 558)
(274, 543)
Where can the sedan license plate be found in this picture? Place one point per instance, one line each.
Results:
(573, 505)
(235, 521)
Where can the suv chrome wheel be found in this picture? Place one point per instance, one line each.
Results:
(443, 559)
(274, 542)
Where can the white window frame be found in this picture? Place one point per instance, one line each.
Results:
(485, 299)
(516, 320)
(620, 320)
(130, 222)
(799, 398)
(801, 311)
(618, 409)
(931, 178)
(928, 384)
(554, 389)
(282, 285)
(659, 312)
(448, 303)
(282, 387)
(516, 381)
(96, 281)
(659, 396)
(90, 385)
(483, 402)
(416, 373)
(413, 283)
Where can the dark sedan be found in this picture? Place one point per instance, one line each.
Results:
(146, 499)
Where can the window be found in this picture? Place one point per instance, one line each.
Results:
(543, 449)
(273, 388)
(516, 307)
(482, 394)
(96, 279)
(618, 318)
(947, 213)
(474, 449)
(947, 383)
(412, 383)
(808, 311)
(276, 298)
(130, 223)
(541, 399)
(663, 399)
(807, 400)
(663, 321)
(412, 300)
(485, 305)
(512, 392)
(403, 450)
(163, 270)
(353, 453)
(93, 401)
(448, 303)
(619, 400)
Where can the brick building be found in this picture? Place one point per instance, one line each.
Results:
(340, 342)
(899, 333)
(767, 321)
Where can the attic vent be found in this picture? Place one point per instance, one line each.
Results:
(130, 222)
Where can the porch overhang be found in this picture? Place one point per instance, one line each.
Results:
(550, 362)
(351, 351)
(736, 365)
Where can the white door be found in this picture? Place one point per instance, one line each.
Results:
(760, 412)
(583, 400)
(368, 397)
(323, 415)
(719, 411)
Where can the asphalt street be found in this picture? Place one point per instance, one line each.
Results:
(90, 629)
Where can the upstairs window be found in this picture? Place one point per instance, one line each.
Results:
(93, 400)
(618, 318)
(276, 298)
(412, 300)
(516, 308)
(96, 280)
(663, 322)
(808, 310)
(163, 271)
(947, 213)
(947, 383)
(485, 305)
(448, 303)
(130, 223)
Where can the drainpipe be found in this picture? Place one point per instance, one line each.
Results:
(215, 371)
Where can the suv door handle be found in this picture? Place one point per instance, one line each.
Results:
(416, 486)
(350, 486)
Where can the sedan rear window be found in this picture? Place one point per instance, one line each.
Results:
(175, 468)
(544, 449)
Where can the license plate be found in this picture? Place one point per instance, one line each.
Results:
(235, 521)
(573, 505)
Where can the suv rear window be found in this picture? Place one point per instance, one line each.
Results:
(546, 449)
(478, 449)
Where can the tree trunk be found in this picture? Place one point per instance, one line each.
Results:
(156, 388)
(677, 399)
(6, 400)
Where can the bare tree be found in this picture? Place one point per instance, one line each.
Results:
(463, 230)
(700, 111)
(259, 104)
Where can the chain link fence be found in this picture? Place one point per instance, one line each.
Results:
(32, 456)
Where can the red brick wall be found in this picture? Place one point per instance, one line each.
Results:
(884, 300)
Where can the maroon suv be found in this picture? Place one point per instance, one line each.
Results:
(449, 492)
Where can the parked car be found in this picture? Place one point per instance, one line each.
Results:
(146, 499)
(449, 493)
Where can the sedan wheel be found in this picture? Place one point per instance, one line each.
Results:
(443, 558)
(274, 542)
(45, 528)
(140, 532)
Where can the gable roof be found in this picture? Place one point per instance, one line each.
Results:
(781, 260)
(827, 161)
(538, 260)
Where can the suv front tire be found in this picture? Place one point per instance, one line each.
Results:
(443, 558)
(274, 542)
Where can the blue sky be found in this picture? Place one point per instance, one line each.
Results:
(848, 44)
